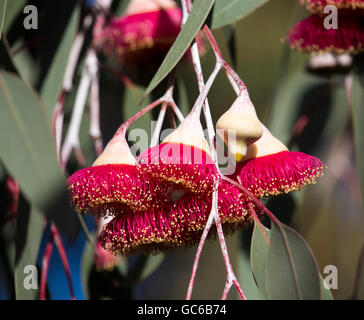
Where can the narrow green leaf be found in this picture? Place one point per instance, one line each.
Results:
(152, 263)
(197, 17)
(87, 261)
(259, 253)
(358, 123)
(52, 84)
(287, 101)
(30, 224)
(291, 272)
(13, 8)
(3, 6)
(325, 293)
(229, 11)
(6, 61)
(28, 151)
(119, 11)
(140, 131)
(245, 275)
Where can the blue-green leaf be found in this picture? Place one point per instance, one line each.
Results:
(229, 11)
(28, 151)
(291, 272)
(259, 253)
(53, 82)
(358, 123)
(30, 224)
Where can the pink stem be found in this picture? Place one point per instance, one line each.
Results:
(126, 124)
(257, 221)
(45, 267)
(225, 65)
(231, 278)
(62, 253)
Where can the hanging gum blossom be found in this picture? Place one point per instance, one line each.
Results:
(242, 118)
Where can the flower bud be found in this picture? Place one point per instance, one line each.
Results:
(117, 151)
(242, 118)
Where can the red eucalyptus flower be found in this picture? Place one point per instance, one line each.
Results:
(143, 35)
(113, 184)
(182, 159)
(270, 168)
(310, 34)
(317, 6)
(179, 224)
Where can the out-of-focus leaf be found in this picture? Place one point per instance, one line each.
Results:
(139, 131)
(245, 275)
(325, 293)
(358, 123)
(291, 272)
(199, 13)
(183, 101)
(28, 151)
(152, 263)
(87, 261)
(119, 11)
(12, 9)
(53, 82)
(30, 224)
(229, 11)
(6, 61)
(28, 69)
(259, 253)
(287, 102)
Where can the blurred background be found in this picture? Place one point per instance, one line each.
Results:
(329, 214)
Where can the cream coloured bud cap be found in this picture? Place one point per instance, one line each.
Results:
(242, 122)
(266, 145)
(189, 132)
(117, 151)
(140, 6)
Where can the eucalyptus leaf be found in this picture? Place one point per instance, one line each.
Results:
(358, 123)
(196, 19)
(13, 7)
(6, 61)
(325, 293)
(291, 272)
(229, 11)
(119, 11)
(259, 253)
(287, 102)
(30, 223)
(28, 151)
(140, 131)
(87, 262)
(152, 263)
(245, 275)
(53, 82)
